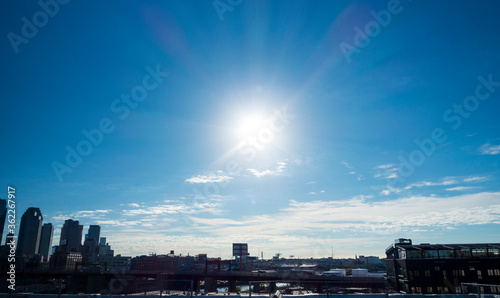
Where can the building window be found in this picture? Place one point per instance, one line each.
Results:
(479, 275)
(444, 275)
(437, 268)
(446, 290)
(417, 273)
(479, 252)
(493, 252)
(427, 273)
(471, 268)
(458, 273)
(429, 290)
(463, 253)
(440, 290)
(445, 253)
(430, 254)
(458, 290)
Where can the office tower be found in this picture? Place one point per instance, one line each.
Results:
(29, 232)
(3, 214)
(102, 241)
(71, 236)
(94, 232)
(92, 240)
(46, 241)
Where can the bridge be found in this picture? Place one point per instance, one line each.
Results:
(141, 281)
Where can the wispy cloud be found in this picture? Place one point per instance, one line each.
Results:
(352, 172)
(488, 149)
(444, 182)
(447, 181)
(277, 171)
(175, 207)
(84, 214)
(210, 178)
(347, 165)
(476, 179)
(461, 188)
(386, 171)
(359, 214)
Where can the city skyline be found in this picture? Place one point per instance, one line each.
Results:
(296, 127)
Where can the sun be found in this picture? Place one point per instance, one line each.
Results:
(250, 125)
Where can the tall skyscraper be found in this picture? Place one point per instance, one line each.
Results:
(91, 242)
(44, 248)
(29, 232)
(71, 236)
(95, 232)
(3, 214)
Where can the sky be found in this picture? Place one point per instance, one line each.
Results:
(304, 128)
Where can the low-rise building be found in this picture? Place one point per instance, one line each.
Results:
(442, 268)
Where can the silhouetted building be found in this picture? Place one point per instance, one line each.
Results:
(94, 232)
(114, 263)
(441, 268)
(91, 243)
(3, 214)
(71, 236)
(65, 261)
(45, 246)
(156, 263)
(29, 232)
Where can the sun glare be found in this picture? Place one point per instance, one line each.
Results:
(250, 125)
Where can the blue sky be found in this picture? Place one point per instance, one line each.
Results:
(269, 122)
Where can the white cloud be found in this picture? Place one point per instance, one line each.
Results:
(175, 208)
(488, 149)
(443, 182)
(461, 188)
(385, 166)
(386, 171)
(475, 179)
(347, 165)
(280, 167)
(447, 181)
(360, 215)
(211, 178)
(312, 193)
